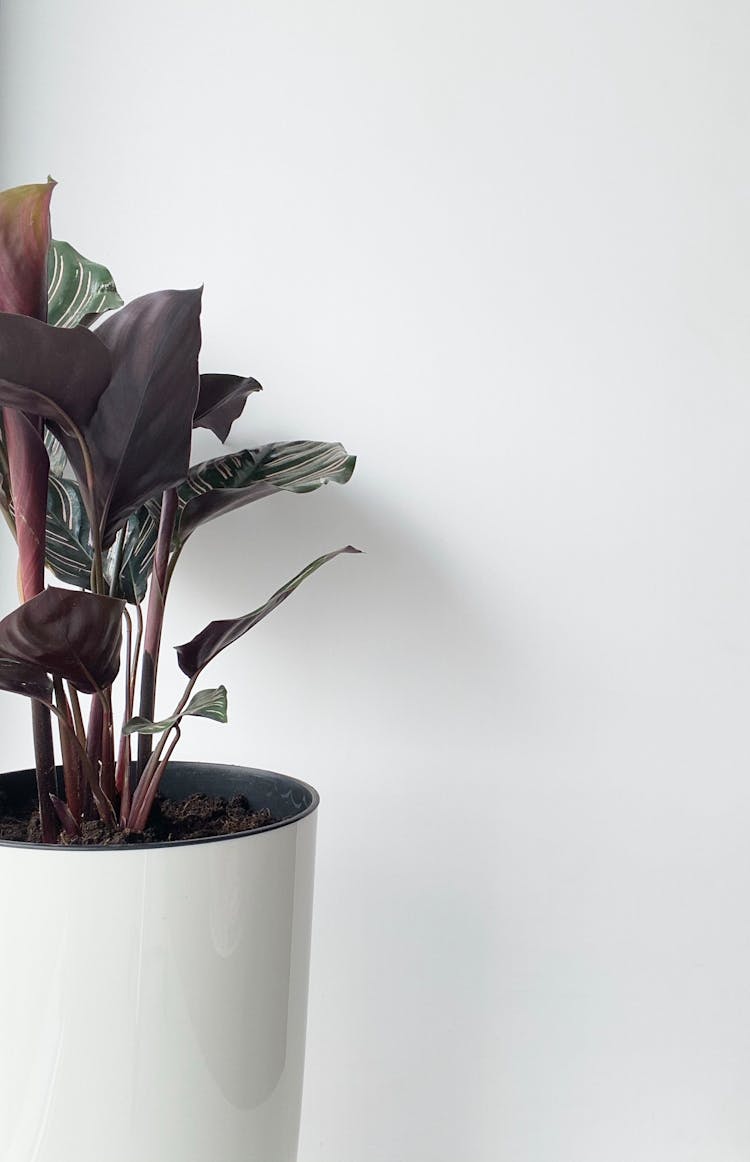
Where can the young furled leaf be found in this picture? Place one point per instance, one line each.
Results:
(204, 704)
(194, 655)
(78, 290)
(24, 241)
(221, 400)
(76, 636)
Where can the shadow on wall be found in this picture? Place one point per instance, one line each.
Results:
(400, 626)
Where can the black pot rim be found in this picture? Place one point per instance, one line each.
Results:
(285, 785)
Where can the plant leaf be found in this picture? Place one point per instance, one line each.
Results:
(78, 290)
(58, 460)
(139, 436)
(51, 372)
(204, 704)
(194, 655)
(221, 400)
(69, 553)
(69, 548)
(24, 241)
(24, 678)
(229, 482)
(76, 636)
(137, 557)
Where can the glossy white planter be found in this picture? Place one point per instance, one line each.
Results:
(154, 999)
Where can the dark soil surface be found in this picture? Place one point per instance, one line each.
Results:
(172, 821)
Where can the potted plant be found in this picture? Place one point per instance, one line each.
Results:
(155, 915)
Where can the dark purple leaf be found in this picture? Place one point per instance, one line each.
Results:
(51, 372)
(221, 401)
(25, 678)
(195, 654)
(140, 434)
(76, 636)
(24, 242)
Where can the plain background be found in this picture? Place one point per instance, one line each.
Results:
(501, 250)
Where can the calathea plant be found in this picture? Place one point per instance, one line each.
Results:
(97, 487)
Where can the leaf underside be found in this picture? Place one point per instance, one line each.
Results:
(194, 655)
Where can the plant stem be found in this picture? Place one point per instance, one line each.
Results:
(72, 774)
(103, 805)
(28, 472)
(155, 620)
(133, 677)
(148, 784)
(152, 784)
(44, 752)
(122, 770)
(75, 706)
(107, 777)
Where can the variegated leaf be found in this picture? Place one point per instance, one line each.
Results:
(229, 482)
(68, 533)
(204, 704)
(58, 460)
(137, 557)
(69, 550)
(78, 290)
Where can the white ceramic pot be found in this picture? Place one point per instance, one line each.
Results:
(153, 1000)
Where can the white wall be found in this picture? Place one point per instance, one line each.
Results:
(502, 251)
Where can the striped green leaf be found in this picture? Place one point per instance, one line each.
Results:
(204, 704)
(68, 533)
(229, 482)
(69, 548)
(78, 290)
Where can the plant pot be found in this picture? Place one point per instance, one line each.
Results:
(154, 998)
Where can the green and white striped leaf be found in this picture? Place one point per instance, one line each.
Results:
(78, 290)
(204, 704)
(229, 482)
(68, 533)
(69, 548)
(58, 459)
(137, 558)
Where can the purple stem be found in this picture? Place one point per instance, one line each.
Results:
(155, 621)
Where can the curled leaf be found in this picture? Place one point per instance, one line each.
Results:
(24, 242)
(204, 704)
(230, 482)
(78, 290)
(221, 401)
(194, 655)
